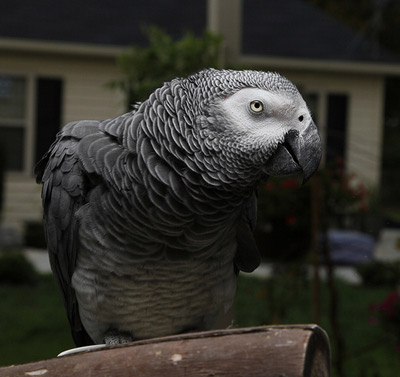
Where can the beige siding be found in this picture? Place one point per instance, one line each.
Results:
(85, 92)
(21, 202)
(85, 96)
(365, 134)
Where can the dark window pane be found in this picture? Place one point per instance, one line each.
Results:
(336, 127)
(12, 147)
(48, 114)
(12, 97)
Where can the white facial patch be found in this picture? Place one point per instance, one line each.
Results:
(263, 113)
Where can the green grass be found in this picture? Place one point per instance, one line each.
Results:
(33, 324)
(368, 352)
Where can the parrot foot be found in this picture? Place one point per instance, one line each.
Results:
(115, 337)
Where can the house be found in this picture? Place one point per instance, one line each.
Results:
(56, 58)
(340, 73)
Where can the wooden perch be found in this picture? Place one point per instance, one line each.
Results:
(290, 351)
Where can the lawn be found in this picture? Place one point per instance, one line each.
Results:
(33, 324)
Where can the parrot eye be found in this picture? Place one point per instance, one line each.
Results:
(256, 106)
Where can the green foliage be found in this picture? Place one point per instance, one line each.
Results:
(387, 315)
(375, 20)
(357, 14)
(380, 274)
(34, 235)
(368, 351)
(284, 218)
(276, 297)
(2, 165)
(343, 192)
(145, 69)
(389, 27)
(16, 269)
(284, 211)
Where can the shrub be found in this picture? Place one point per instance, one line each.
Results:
(146, 68)
(34, 235)
(283, 223)
(387, 315)
(284, 210)
(16, 269)
(378, 273)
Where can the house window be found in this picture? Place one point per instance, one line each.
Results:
(12, 121)
(336, 127)
(18, 150)
(48, 113)
(333, 108)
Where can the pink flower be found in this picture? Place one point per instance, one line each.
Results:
(290, 184)
(388, 306)
(262, 293)
(269, 186)
(372, 307)
(290, 220)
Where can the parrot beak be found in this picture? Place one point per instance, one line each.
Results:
(300, 152)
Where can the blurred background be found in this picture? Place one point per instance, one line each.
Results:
(330, 248)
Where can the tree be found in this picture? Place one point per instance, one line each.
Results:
(146, 68)
(372, 19)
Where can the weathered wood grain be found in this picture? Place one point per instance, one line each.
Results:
(290, 351)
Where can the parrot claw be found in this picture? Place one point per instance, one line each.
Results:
(114, 337)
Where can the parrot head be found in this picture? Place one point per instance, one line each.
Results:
(260, 119)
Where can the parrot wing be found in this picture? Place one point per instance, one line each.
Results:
(247, 256)
(65, 185)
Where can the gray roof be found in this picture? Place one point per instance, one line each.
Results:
(293, 28)
(274, 28)
(103, 22)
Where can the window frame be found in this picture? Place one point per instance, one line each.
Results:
(27, 123)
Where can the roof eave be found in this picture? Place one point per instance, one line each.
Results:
(320, 65)
(64, 48)
(106, 51)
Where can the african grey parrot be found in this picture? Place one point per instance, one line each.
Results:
(149, 215)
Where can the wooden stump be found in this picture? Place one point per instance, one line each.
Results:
(290, 351)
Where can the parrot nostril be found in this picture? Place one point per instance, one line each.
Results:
(301, 118)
